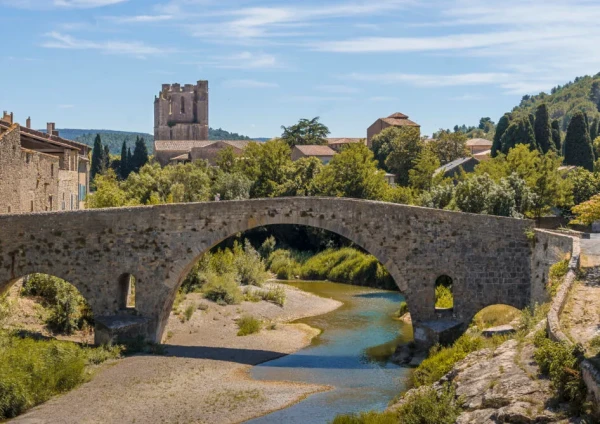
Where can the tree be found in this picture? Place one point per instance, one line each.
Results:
(268, 166)
(556, 137)
(519, 131)
(449, 146)
(501, 199)
(405, 144)
(129, 160)
(124, 168)
(140, 155)
(108, 194)
(531, 117)
(595, 129)
(234, 186)
(585, 185)
(501, 128)
(353, 173)
(306, 131)
(471, 195)
(587, 212)
(106, 157)
(542, 130)
(578, 147)
(97, 158)
(226, 159)
(422, 176)
(486, 124)
(301, 180)
(381, 145)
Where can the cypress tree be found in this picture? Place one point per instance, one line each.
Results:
(501, 128)
(106, 158)
(556, 136)
(595, 129)
(124, 165)
(532, 120)
(543, 133)
(578, 148)
(129, 161)
(140, 155)
(97, 158)
(519, 131)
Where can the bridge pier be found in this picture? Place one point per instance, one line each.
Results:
(121, 328)
(438, 331)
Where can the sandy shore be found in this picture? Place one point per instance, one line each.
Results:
(204, 377)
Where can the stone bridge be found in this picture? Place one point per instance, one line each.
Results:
(490, 259)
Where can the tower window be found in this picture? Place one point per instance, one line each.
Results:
(182, 105)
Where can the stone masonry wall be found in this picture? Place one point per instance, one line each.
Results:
(27, 179)
(487, 257)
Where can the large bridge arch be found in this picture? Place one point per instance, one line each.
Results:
(488, 258)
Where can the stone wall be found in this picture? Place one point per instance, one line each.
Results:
(34, 181)
(548, 248)
(487, 257)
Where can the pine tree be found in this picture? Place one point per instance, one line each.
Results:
(501, 128)
(556, 138)
(97, 158)
(543, 133)
(140, 155)
(578, 148)
(129, 161)
(123, 171)
(519, 131)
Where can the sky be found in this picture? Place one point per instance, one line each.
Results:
(99, 63)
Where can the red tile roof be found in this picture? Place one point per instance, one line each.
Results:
(398, 115)
(187, 145)
(479, 142)
(315, 150)
(395, 122)
(345, 140)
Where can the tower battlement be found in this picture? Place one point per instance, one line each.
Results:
(181, 113)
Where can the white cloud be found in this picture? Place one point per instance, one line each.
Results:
(67, 4)
(137, 49)
(249, 83)
(429, 80)
(140, 19)
(337, 89)
(244, 60)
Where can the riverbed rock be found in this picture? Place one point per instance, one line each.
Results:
(403, 354)
(406, 318)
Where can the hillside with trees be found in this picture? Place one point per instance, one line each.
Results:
(114, 139)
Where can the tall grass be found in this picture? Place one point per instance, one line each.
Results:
(346, 265)
(556, 276)
(248, 325)
(32, 371)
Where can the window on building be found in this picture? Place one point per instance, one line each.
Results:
(32, 206)
(52, 170)
(182, 105)
(9, 209)
(50, 201)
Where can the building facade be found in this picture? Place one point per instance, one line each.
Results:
(324, 153)
(181, 113)
(40, 171)
(395, 120)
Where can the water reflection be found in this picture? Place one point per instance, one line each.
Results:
(351, 354)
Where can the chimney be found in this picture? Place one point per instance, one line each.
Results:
(50, 128)
(28, 122)
(8, 117)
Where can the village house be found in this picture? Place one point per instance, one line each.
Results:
(452, 169)
(338, 143)
(478, 145)
(40, 171)
(324, 153)
(395, 120)
(189, 151)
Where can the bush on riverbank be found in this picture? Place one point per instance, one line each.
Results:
(32, 371)
(68, 310)
(219, 275)
(248, 325)
(346, 265)
(418, 407)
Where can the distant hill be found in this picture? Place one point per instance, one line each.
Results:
(583, 94)
(114, 139)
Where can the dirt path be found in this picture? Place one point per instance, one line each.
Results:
(204, 376)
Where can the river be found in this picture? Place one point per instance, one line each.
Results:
(351, 355)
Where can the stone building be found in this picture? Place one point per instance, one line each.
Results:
(478, 145)
(40, 171)
(181, 113)
(196, 150)
(324, 153)
(395, 120)
(338, 143)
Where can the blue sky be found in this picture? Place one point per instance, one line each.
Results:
(99, 63)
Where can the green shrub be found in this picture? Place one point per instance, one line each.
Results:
(429, 406)
(441, 359)
(189, 311)
(248, 325)
(284, 265)
(223, 289)
(424, 406)
(275, 295)
(444, 297)
(267, 247)
(556, 276)
(100, 354)
(560, 362)
(5, 308)
(68, 309)
(31, 371)
(249, 265)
